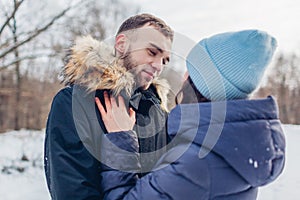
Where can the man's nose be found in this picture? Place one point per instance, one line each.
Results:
(158, 64)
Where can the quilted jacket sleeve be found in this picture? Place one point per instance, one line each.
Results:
(175, 181)
(121, 164)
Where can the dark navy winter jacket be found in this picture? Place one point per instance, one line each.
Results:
(74, 154)
(220, 150)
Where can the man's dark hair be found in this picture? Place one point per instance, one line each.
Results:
(140, 20)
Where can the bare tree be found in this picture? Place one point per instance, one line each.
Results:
(7, 47)
(13, 44)
(283, 82)
(32, 43)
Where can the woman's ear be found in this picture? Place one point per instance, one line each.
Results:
(121, 44)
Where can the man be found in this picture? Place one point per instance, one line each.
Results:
(73, 159)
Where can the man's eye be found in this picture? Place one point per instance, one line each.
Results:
(151, 52)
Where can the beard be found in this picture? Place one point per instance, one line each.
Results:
(130, 65)
(128, 62)
(134, 68)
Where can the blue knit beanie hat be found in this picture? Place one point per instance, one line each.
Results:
(230, 65)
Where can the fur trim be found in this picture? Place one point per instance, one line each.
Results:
(93, 65)
(162, 88)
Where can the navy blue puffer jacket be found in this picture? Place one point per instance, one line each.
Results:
(211, 155)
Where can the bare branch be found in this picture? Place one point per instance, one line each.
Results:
(31, 57)
(17, 5)
(38, 31)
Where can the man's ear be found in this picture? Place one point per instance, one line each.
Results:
(121, 44)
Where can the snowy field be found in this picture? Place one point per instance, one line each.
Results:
(22, 175)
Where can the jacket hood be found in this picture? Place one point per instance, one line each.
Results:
(93, 65)
(251, 138)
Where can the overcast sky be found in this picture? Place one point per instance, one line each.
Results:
(197, 19)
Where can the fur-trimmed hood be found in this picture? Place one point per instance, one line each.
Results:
(92, 64)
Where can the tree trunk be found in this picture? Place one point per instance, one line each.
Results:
(18, 78)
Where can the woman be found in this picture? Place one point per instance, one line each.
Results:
(222, 145)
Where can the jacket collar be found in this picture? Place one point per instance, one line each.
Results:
(250, 138)
(233, 110)
(92, 64)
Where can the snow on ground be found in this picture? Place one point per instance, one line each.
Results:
(22, 176)
(21, 165)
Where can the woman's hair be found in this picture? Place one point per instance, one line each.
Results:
(189, 93)
(140, 20)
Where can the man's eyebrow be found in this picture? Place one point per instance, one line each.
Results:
(157, 47)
